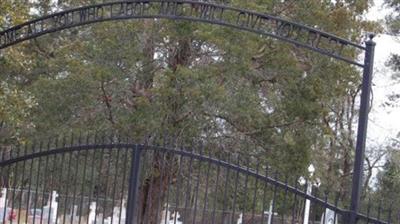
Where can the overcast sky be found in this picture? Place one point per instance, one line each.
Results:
(384, 122)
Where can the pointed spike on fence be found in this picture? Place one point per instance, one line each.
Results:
(267, 171)
(64, 141)
(56, 142)
(71, 138)
(25, 149)
(200, 145)
(258, 165)
(209, 153)
(16, 151)
(389, 218)
(115, 137)
(247, 161)
(131, 139)
(9, 152)
(174, 141)
(103, 138)
(379, 209)
(286, 180)
(13, 153)
(49, 141)
(327, 193)
(296, 183)
(398, 214)
(276, 175)
(171, 141)
(162, 138)
(180, 143)
(122, 137)
(33, 146)
(236, 159)
(2, 155)
(191, 146)
(95, 139)
(118, 138)
(337, 198)
(369, 207)
(168, 141)
(108, 137)
(40, 146)
(80, 138)
(142, 140)
(145, 140)
(87, 139)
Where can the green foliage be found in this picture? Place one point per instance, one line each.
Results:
(389, 180)
(393, 20)
(15, 109)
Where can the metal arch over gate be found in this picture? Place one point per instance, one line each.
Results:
(291, 32)
(267, 25)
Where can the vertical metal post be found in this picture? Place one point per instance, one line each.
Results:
(362, 129)
(131, 215)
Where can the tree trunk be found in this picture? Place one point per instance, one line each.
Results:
(152, 193)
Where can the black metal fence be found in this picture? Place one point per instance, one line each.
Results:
(106, 181)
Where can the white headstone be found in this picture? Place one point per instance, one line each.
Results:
(3, 198)
(3, 203)
(165, 215)
(240, 219)
(92, 213)
(108, 220)
(123, 211)
(99, 217)
(176, 220)
(54, 207)
(115, 217)
(75, 216)
(329, 218)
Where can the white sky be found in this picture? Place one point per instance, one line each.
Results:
(384, 123)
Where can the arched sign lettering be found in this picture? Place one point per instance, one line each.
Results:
(291, 32)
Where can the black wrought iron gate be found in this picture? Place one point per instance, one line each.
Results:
(104, 181)
(30, 176)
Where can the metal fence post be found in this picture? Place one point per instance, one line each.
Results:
(131, 215)
(362, 130)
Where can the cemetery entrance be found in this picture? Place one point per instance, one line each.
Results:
(110, 180)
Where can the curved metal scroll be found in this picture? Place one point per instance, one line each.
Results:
(267, 25)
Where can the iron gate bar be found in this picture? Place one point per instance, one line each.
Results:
(134, 184)
(209, 13)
